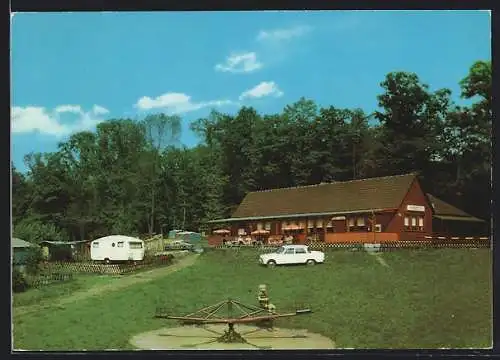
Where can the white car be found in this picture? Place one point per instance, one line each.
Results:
(292, 254)
(178, 245)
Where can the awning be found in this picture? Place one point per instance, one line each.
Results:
(324, 214)
(458, 218)
(18, 243)
(64, 242)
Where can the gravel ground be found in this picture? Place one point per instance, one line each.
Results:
(204, 338)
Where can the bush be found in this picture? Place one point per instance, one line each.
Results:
(19, 283)
(61, 253)
(33, 260)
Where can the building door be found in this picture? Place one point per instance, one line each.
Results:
(339, 226)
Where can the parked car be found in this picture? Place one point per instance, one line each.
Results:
(179, 245)
(292, 254)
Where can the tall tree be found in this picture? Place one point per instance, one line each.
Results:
(20, 195)
(50, 190)
(329, 157)
(161, 130)
(412, 121)
(467, 135)
(79, 154)
(299, 118)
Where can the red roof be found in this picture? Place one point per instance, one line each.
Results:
(442, 208)
(347, 196)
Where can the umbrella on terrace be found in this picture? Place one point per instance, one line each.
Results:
(291, 227)
(222, 231)
(260, 232)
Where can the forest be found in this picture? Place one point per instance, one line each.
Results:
(133, 177)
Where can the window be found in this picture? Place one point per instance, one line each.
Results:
(351, 222)
(360, 221)
(113, 244)
(414, 223)
(329, 224)
(280, 250)
(259, 226)
(420, 223)
(119, 244)
(241, 231)
(135, 244)
(95, 245)
(268, 226)
(289, 251)
(300, 251)
(310, 224)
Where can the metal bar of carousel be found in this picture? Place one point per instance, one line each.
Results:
(208, 308)
(239, 320)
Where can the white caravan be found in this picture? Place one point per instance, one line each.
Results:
(117, 248)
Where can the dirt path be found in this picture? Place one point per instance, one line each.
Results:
(113, 285)
(380, 259)
(205, 338)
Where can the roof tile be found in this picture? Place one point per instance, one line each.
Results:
(373, 193)
(441, 207)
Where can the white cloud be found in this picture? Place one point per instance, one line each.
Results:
(283, 34)
(265, 88)
(39, 119)
(240, 63)
(77, 109)
(99, 110)
(176, 103)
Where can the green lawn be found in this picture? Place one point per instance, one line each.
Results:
(59, 289)
(424, 299)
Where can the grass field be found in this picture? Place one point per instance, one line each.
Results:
(56, 290)
(422, 299)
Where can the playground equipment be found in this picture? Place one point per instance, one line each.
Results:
(236, 313)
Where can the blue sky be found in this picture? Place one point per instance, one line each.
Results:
(72, 70)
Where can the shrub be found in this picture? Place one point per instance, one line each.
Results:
(33, 260)
(61, 253)
(19, 283)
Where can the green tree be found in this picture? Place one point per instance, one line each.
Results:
(81, 161)
(299, 154)
(412, 121)
(467, 136)
(478, 84)
(50, 188)
(161, 130)
(20, 195)
(35, 231)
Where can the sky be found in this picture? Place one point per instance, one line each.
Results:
(71, 71)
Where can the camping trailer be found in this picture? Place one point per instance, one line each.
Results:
(117, 248)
